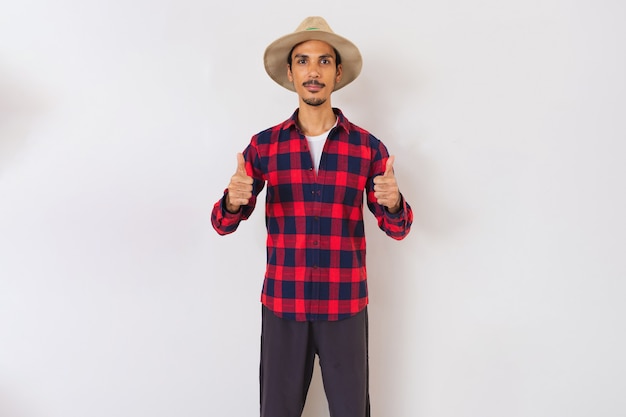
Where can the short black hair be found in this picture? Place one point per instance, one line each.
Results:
(337, 56)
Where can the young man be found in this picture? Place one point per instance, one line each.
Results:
(317, 166)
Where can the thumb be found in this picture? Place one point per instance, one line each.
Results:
(389, 166)
(241, 164)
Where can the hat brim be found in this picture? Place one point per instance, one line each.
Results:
(276, 53)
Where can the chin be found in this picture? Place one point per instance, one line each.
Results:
(314, 101)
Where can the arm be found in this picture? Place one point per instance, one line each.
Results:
(393, 213)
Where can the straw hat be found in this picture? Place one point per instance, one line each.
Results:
(312, 28)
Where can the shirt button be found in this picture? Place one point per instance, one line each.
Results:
(314, 266)
(315, 242)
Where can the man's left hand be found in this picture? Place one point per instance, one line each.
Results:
(386, 188)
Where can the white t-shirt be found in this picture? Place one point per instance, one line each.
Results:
(316, 145)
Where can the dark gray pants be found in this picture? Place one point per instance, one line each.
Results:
(288, 350)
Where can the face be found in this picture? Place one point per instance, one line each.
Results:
(314, 72)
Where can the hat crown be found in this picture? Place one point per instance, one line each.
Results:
(314, 23)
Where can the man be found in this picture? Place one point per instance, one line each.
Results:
(317, 166)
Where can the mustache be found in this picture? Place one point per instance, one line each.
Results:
(313, 82)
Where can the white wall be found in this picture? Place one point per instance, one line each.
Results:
(119, 125)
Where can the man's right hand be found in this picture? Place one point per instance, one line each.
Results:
(239, 188)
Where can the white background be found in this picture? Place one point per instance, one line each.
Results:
(119, 125)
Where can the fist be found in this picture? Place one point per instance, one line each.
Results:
(386, 188)
(239, 188)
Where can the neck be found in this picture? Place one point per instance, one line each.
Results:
(314, 121)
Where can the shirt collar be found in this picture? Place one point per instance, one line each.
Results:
(342, 122)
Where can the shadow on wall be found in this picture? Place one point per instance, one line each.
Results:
(19, 108)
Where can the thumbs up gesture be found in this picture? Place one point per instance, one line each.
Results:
(239, 188)
(386, 188)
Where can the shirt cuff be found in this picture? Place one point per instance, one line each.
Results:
(227, 214)
(399, 213)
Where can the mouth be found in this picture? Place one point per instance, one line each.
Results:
(313, 85)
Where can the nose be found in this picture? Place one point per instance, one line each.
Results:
(314, 70)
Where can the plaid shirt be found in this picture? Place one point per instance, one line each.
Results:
(315, 233)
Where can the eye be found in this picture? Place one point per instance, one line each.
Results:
(325, 61)
(301, 61)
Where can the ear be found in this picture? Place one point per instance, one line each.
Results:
(289, 74)
(339, 73)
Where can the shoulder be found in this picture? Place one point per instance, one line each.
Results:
(356, 133)
(272, 134)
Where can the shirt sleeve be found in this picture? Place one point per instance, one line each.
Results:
(225, 222)
(395, 225)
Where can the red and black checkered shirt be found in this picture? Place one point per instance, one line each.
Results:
(315, 232)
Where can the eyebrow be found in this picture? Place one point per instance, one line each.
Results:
(306, 56)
